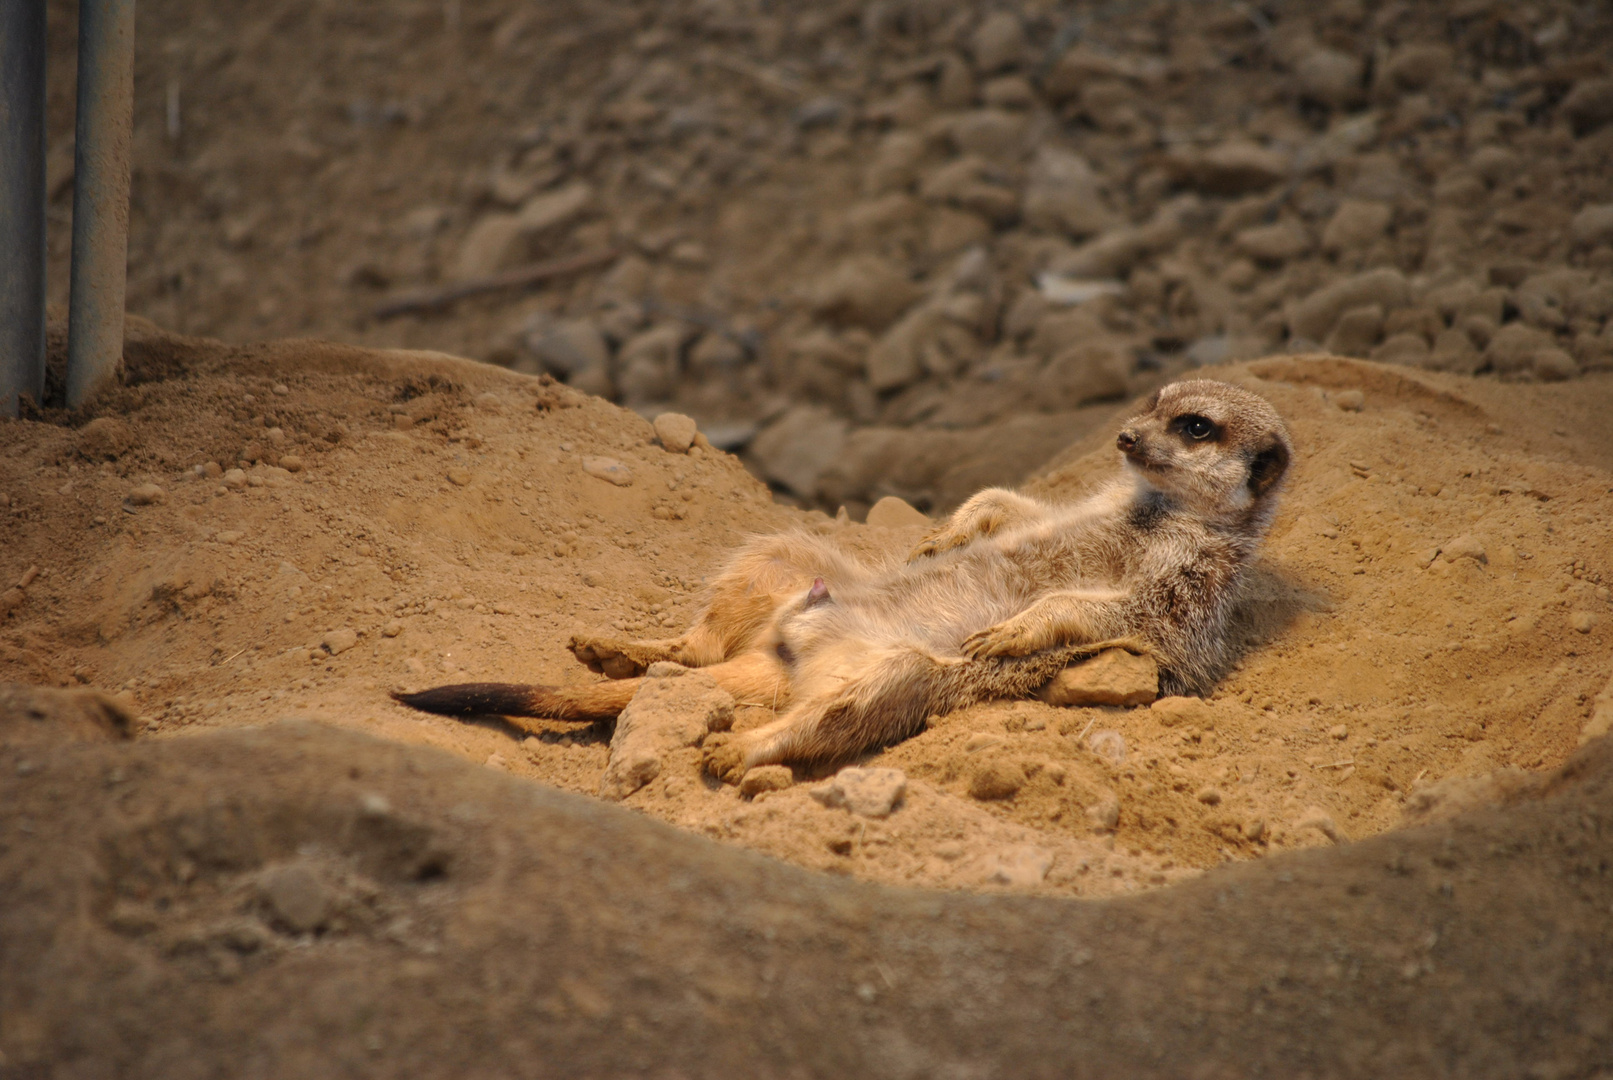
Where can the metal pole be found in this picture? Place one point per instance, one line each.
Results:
(22, 202)
(100, 195)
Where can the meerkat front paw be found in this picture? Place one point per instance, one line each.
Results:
(615, 658)
(1009, 638)
(723, 757)
(938, 541)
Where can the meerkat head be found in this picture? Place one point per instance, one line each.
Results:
(1211, 447)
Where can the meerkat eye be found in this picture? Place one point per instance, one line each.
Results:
(1196, 427)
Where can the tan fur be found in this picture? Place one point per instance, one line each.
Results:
(991, 604)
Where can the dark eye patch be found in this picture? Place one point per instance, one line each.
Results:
(1195, 428)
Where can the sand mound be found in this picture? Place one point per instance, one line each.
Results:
(293, 529)
(301, 901)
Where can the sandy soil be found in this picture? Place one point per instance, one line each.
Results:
(1430, 604)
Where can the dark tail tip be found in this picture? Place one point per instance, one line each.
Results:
(474, 699)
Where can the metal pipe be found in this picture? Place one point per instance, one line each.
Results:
(100, 195)
(22, 202)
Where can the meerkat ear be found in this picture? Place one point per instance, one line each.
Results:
(1268, 467)
(818, 594)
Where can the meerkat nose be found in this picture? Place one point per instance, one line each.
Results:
(1126, 440)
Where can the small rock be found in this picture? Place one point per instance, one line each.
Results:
(999, 42)
(676, 431)
(1316, 315)
(1589, 105)
(1601, 721)
(1105, 813)
(1229, 169)
(296, 898)
(1463, 547)
(1350, 400)
(864, 291)
(765, 778)
(567, 346)
(1582, 621)
(1273, 243)
(1254, 829)
(1320, 820)
(105, 438)
(459, 477)
(1112, 677)
(1329, 77)
(796, 448)
(392, 628)
(1021, 865)
(1209, 796)
(871, 793)
(1554, 365)
(1356, 225)
(675, 707)
(1591, 226)
(497, 761)
(339, 641)
(291, 463)
(1000, 778)
(894, 513)
(608, 469)
(1338, 731)
(231, 536)
(235, 479)
(1356, 331)
(148, 494)
(1408, 349)
(1513, 348)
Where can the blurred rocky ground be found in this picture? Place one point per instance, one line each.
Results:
(902, 247)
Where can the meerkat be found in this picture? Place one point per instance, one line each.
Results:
(991, 604)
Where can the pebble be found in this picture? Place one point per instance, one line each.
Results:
(231, 536)
(894, 513)
(609, 470)
(766, 778)
(458, 477)
(1105, 813)
(1209, 796)
(871, 793)
(1463, 547)
(282, 389)
(339, 641)
(1183, 712)
(146, 495)
(1339, 731)
(997, 779)
(295, 897)
(235, 479)
(1254, 829)
(1320, 820)
(1021, 865)
(1582, 621)
(393, 628)
(676, 431)
(1350, 400)
(291, 463)
(1112, 677)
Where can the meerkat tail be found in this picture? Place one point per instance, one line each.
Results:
(593, 702)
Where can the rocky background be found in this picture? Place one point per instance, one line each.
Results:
(899, 247)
